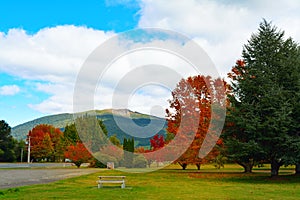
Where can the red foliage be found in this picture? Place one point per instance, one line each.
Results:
(157, 142)
(46, 142)
(78, 154)
(192, 101)
(240, 63)
(238, 71)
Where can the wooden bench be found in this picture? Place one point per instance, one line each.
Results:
(111, 179)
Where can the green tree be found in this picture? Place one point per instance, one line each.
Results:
(239, 135)
(20, 150)
(265, 89)
(7, 143)
(71, 135)
(128, 147)
(114, 140)
(92, 132)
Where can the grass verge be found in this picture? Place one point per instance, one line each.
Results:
(170, 183)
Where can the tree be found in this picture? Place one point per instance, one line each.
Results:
(78, 154)
(239, 136)
(20, 150)
(46, 143)
(262, 120)
(7, 143)
(191, 115)
(157, 142)
(92, 132)
(128, 147)
(71, 135)
(114, 140)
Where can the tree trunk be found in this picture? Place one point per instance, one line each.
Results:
(247, 166)
(77, 163)
(297, 169)
(183, 165)
(198, 166)
(274, 168)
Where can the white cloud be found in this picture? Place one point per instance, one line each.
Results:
(61, 99)
(9, 90)
(135, 70)
(55, 55)
(52, 56)
(221, 27)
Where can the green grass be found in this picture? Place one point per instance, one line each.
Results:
(171, 183)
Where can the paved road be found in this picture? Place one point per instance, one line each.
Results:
(10, 178)
(34, 165)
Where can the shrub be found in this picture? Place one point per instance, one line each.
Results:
(101, 160)
(139, 161)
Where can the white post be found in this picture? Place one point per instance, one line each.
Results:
(21, 154)
(28, 155)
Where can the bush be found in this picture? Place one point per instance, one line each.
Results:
(139, 162)
(101, 160)
(97, 164)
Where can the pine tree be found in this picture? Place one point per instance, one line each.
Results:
(128, 147)
(7, 143)
(265, 86)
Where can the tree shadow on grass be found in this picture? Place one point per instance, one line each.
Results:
(240, 177)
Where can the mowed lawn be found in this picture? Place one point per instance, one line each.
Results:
(170, 183)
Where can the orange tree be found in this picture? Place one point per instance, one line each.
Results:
(190, 116)
(78, 154)
(46, 143)
(156, 142)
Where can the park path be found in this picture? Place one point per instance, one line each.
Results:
(10, 178)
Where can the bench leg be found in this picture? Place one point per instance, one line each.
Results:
(99, 185)
(123, 185)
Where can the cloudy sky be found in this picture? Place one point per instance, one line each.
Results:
(44, 44)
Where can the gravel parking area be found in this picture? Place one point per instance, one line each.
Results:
(10, 178)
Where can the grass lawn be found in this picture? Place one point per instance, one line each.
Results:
(170, 183)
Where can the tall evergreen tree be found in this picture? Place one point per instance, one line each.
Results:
(7, 143)
(128, 147)
(265, 94)
(71, 135)
(92, 132)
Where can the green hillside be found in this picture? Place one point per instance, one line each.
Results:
(124, 118)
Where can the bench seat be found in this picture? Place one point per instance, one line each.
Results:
(111, 179)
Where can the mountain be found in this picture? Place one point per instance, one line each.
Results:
(117, 121)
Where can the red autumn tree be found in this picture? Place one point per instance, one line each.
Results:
(191, 118)
(157, 142)
(46, 143)
(78, 154)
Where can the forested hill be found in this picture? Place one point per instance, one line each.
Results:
(123, 115)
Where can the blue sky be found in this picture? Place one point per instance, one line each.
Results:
(33, 15)
(43, 44)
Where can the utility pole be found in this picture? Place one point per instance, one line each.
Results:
(28, 155)
(21, 154)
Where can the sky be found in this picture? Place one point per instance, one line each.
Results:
(44, 45)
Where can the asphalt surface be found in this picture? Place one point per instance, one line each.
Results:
(33, 165)
(10, 178)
